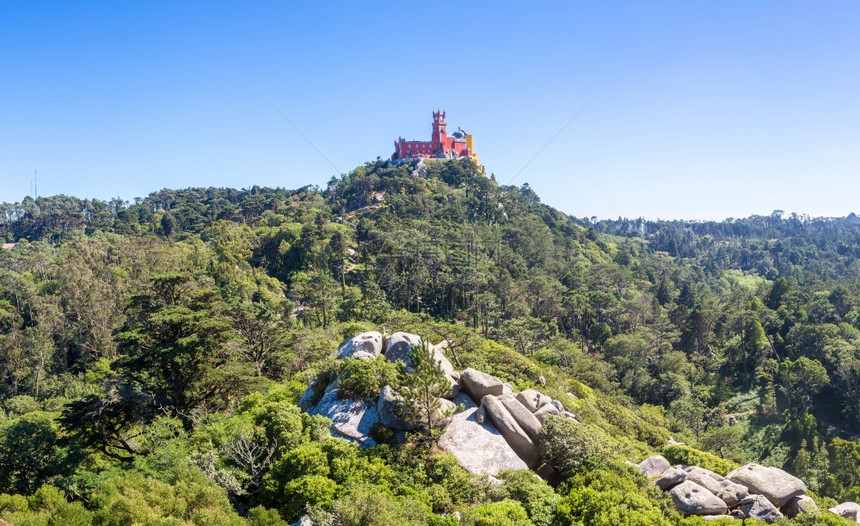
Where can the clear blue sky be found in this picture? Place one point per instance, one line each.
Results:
(697, 109)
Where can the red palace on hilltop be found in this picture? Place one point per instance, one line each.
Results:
(440, 146)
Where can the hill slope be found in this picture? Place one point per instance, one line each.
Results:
(161, 344)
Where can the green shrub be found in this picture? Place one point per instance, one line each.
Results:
(363, 379)
(12, 504)
(381, 434)
(461, 485)
(30, 452)
(572, 447)
(283, 423)
(440, 499)
(316, 428)
(21, 405)
(611, 496)
(46, 507)
(310, 490)
(307, 459)
(629, 422)
(369, 505)
(350, 464)
(132, 498)
(536, 496)
(261, 516)
(678, 454)
(503, 513)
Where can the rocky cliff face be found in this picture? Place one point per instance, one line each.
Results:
(496, 428)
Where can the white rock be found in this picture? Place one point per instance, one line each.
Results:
(798, 505)
(478, 384)
(778, 486)
(533, 400)
(387, 408)
(367, 343)
(759, 508)
(350, 419)
(507, 425)
(479, 448)
(654, 466)
(723, 488)
(670, 478)
(542, 413)
(692, 499)
(530, 424)
(849, 510)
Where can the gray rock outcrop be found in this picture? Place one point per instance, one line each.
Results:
(533, 400)
(446, 411)
(362, 345)
(478, 384)
(798, 505)
(507, 425)
(542, 413)
(388, 408)
(399, 345)
(654, 466)
(530, 424)
(778, 486)
(758, 507)
(730, 492)
(350, 419)
(306, 401)
(849, 510)
(479, 448)
(692, 499)
(304, 521)
(671, 478)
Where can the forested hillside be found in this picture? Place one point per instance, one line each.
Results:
(152, 354)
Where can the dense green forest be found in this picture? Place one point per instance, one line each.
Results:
(152, 353)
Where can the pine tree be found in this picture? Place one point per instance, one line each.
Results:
(421, 388)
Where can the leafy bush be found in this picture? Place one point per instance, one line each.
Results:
(536, 496)
(282, 422)
(381, 434)
(678, 454)
(572, 447)
(503, 513)
(132, 498)
(369, 505)
(46, 506)
(350, 464)
(609, 496)
(261, 516)
(363, 379)
(21, 405)
(310, 490)
(316, 428)
(461, 485)
(307, 459)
